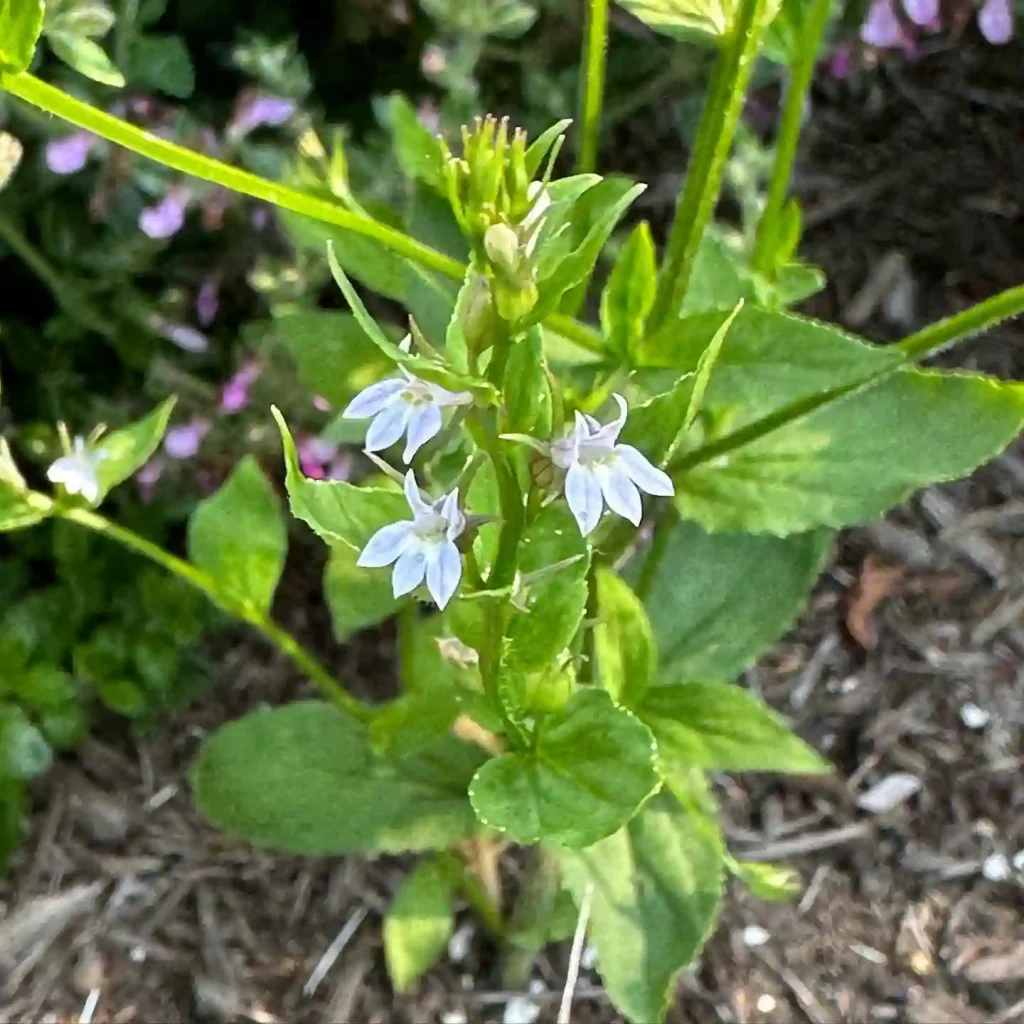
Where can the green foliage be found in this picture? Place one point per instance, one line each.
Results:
(123, 452)
(629, 294)
(19, 507)
(627, 655)
(768, 881)
(161, 62)
(356, 597)
(86, 56)
(693, 20)
(304, 778)
(21, 22)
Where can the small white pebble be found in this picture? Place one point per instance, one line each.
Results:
(888, 794)
(137, 955)
(588, 961)
(974, 717)
(454, 1017)
(1018, 861)
(459, 944)
(765, 1003)
(520, 1010)
(996, 868)
(754, 935)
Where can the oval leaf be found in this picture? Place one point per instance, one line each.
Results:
(125, 451)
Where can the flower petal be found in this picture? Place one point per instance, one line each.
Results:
(453, 515)
(609, 433)
(583, 493)
(444, 571)
(409, 571)
(387, 426)
(443, 397)
(373, 399)
(995, 20)
(619, 491)
(385, 546)
(414, 497)
(424, 423)
(645, 475)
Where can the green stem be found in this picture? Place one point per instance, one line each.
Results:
(592, 91)
(279, 637)
(125, 33)
(55, 101)
(721, 115)
(801, 73)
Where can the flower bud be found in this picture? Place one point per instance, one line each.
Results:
(502, 246)
(548, 691)
(477, 314)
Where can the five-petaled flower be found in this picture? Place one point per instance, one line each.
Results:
(77, 471)
(600, 470)
(421, 547)
(403, 405)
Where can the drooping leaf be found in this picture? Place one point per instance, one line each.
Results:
(161, 62)
(721, 727)
(87, 57)
(629, 294)
(21, 22)
(239, 538)
(623, 640)
(304, 778)
(719, 600)
(590, 769)
(419, 923)
(357, 597)
(656, 887)
(125, 451)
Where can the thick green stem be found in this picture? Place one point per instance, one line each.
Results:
(595, 56)
(721, 115)
(801, 73)
(279, 637)
(55, 101)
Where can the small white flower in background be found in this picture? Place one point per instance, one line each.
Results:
(421, 547)
(600, 470)
(403, 405)
(77, 471)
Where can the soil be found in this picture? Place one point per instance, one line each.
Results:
(125, 906)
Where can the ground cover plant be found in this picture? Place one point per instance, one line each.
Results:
(574, 686)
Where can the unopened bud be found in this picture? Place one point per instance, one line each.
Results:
(502, 245)
(548, 691)
(514, 301)
(477, 314)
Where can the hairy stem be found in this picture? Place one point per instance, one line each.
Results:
(280, 638)
(592, 70)
(801, 73)
(721, 115)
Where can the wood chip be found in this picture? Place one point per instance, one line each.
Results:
(998, 967)
(876, 584)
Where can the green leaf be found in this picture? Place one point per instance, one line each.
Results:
(86, 18)
(13, 812)
(418, 151)
(721, 727)
(590, 769)
(657, 885)
(413, 722)
(24, 753)
(768, 881)
(623, 640)
(419, 924)
(541, 146)
(357, 597)
(557, 600)
(19, 507)
(719, 600)
(239, 538)
(629, 294)
(21, 22)
(123, 696)
(44, 687)
(705, 365)
(849, 460)
(162, 62)
(303, 778)
(339, 512)
(125, 451)
(529, 401)
(86, 57)
(655, 426)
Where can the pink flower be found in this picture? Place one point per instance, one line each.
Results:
(256, 111)
(167, 217)
(147, 477)
(67, 155)
(235, 394)
(995, 21)
(840, 62)
(188, 339)
(207, 302)
(922, 12)
(183, 442)
(321, 460)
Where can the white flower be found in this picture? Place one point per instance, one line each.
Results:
(599, 471)
(77, 471)
(403, 405)
(424, 546)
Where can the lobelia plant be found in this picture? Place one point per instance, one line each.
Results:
(567, 679)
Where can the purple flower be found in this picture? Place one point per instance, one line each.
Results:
(995, 21)
(314, 455)
(207, 302)
(882, 28)
(186, 338)
(183, 442)
(67, 155)
(922, 12)
(255, 111)
(147, 477)
(167, 217)
(840, 62)
(235, 394)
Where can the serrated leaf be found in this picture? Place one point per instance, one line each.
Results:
(719, 600)
(21, 22)
(338, 512)
(87, 57)
(684, 19)
(656, 888)
(721, 727)
(623, 640)
(303, 778)
(125, 451)
(239, 538)
(629, 293)
(357, 597)
(162, 62)
(590, 769)
(418, 924)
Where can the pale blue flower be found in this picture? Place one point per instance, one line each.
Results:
(601, 471)
(76, 471)
(423, 547)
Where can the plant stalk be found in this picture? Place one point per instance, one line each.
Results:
(801, 74)
(719, 120)
(595, 57)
